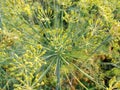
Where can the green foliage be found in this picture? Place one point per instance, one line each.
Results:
(63, 44)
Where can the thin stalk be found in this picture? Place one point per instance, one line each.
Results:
(64, 60)
(103, 42)
(79, 82)
(88, 76)
(58, 74)
(44, 73)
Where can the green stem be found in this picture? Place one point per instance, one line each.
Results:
(58, 74)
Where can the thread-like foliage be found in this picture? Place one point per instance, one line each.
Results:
(59, 44)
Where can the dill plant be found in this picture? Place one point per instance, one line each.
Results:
(56, 44)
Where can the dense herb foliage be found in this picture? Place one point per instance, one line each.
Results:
(59, 44)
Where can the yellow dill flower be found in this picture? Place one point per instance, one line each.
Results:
(42, 83)
(27, 9)
(39, 47)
